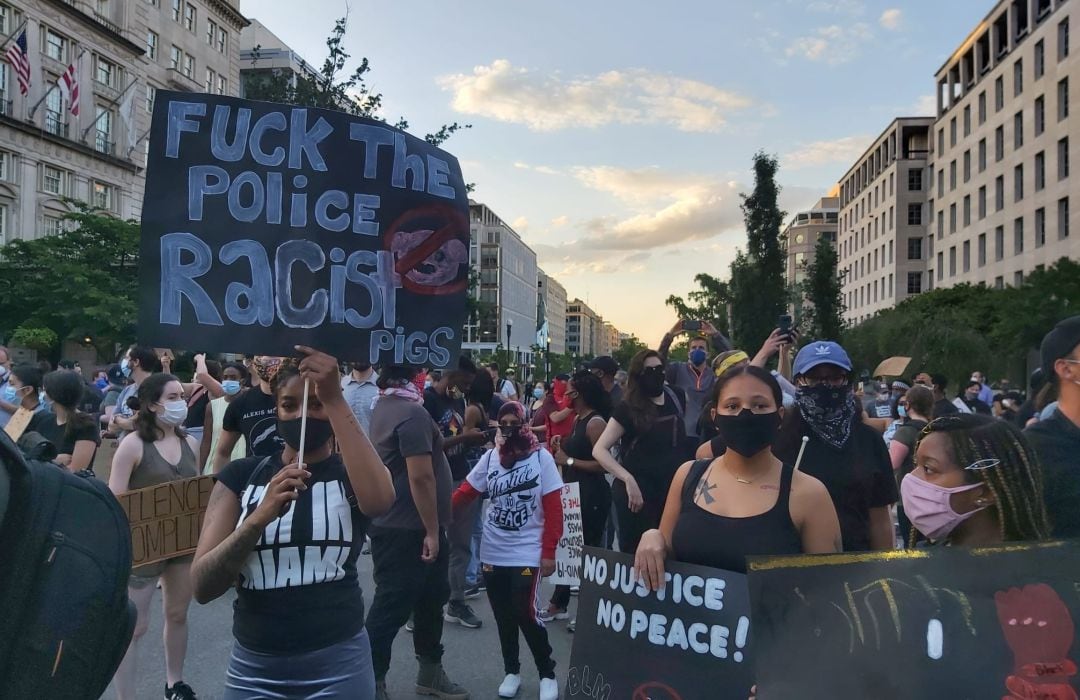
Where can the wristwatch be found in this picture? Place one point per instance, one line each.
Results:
(570, 462)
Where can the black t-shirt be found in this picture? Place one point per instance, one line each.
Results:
(654, 456)
(196, 413)
(1057, 443)
(44, 422)
(449, 415)
(943, 407)
(254, 415)
(298, 590)
(908, 434)
(858, 477)
(91, 400)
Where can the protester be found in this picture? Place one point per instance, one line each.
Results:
(1056, 439)
(976, 482)
(536, 400)
(649, 427)
(409, 548)
(1027, 414)
(745, 502)
(621, 378)
(136, 365)
(692, 377)
(844, 453)
(503, 387)
(101, 380)
(971, 399)
(233, 377)
(360, 387)
(478, 417)
(6, 407)
(199, 397)
(560, 416)
(605, 368)
(986, 394)
(252, 416)
(74, 434)
(157, 451)
(117, 382)
(299, 632)
(23, 389)
(540, 413)
(942, 405)
(574, 454)
(521, 532)
(916, 409)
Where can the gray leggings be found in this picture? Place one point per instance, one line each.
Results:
(339, 672)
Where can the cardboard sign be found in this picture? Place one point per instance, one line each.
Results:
(568, 555)
(934, 623)
(688, 641)
(266, 226)
(18, 423)
(166, 519)
(892, 367)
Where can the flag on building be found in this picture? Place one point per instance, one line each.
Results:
(69, 88)
(127, 115)
(17, 56)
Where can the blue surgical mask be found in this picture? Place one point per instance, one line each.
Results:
(902, 410)
(231, 387)
(10, 394)
(697, 357)
(538, 393)
(125, 367)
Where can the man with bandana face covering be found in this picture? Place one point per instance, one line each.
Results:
(846, 455)
(253, 416)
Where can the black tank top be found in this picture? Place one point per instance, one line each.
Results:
(720, 542)
(578, 446)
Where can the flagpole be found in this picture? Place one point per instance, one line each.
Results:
(55, 86)
(109, 106)
(139, 140)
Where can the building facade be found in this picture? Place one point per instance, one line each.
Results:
(122, 51)
(883, 220)
(803, 232)
(553, 295)
(581, 329)
(609, 339)
(1002, 146)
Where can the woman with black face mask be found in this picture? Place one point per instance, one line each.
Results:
(745, 502)
(648, 426)
(287, 535)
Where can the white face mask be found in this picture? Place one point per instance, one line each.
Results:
(175, 412)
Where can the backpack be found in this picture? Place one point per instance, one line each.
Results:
(65, 548)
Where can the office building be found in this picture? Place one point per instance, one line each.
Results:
(883, 220)
(553, 297)
(1002, 146)
(582, 329)
(801, 236)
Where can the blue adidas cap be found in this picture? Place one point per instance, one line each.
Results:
(821, 352)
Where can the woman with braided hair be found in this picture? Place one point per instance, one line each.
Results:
(976, 482)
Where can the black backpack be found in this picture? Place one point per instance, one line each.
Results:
(65, 558)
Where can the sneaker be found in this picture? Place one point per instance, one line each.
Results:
(482, 587)
(472, 592)
(574, 590)
(380, 691)
(571, 626)
(410, 625)
(510, 685)
(463, 615)
(554, 613)
(180, 691)
(431, 680)
(549, 689)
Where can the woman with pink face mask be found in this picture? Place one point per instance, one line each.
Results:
(976, 482)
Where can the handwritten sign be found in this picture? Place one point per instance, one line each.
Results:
(933, 623)
(19, 422)
(166, 519)
(268, 225)
(568, 555)
(688, 641)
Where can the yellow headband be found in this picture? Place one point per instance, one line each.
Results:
(730, 361)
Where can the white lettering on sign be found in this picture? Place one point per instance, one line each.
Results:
(568, 554)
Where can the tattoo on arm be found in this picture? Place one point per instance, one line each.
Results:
(702, 491)
(220, 567)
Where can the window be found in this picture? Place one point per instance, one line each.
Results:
(914, 179)
(967, 120)
(55, 120)
(1018, 278)
(914, 249)
(982, 155)
(1040, 227)
(967, 165)
(1040, 59)
(52, 225)
(967, 210)
(940, 266)
(211, 32)
(6, 15)
(1018, 77)
(222, 40)
(189, 17)
(982, 107)
(940, 183)
(982, 249)
(222, 85)
(1018, 130)
(952, 132)
(941, 140)
(102, 196)
(1018, 236)
(151, 45)
(103, 142)
(7, 166)
(176, 10)
(940, 223)
(1063, 98)
(952, 218)
(999, 94)
(999, 193)
(1040, 170)
(999, 243)
(1063, 158)
(56, 46)
(914, 214)
(211, 80)
(189, 66)
(952, 176)
(982, 202)
(151, 93)
(999, 143)
(952, 261)
(105, 72)
(914, 282)
(967, 256)
(1040, 115)
(1063, 218)
(175, 57)
(1063, 39)
(999, 282)
(53, 180)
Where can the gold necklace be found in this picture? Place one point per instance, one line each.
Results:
(737, 478)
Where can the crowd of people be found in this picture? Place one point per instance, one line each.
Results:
(453, 479)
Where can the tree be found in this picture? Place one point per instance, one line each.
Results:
(757, 290)
(709, 302)
(626, 351)
(822, 296)
(81, 282)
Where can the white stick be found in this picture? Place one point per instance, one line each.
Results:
(798, 460)
(303, 425)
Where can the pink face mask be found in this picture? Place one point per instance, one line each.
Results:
(929, 507)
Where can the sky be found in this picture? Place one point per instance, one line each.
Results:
(616, 137)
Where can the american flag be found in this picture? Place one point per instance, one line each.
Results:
(16, 55)
(69, 87)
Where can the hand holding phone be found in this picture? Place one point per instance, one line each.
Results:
(784, 324)
(691, 325)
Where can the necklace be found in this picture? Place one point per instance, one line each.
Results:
(736, 477)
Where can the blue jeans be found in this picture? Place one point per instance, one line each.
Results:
(339, 672)
(472, 574)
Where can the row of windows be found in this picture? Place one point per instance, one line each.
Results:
(51, 224)
(1019, 240)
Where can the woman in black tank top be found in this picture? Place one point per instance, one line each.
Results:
(744, 502)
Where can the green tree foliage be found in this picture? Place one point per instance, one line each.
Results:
(822, 296)
(709, 302)
(627, 349)
(76, 282)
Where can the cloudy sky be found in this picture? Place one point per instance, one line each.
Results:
(616, 137)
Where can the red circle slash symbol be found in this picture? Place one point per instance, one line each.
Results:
(655, 690)
(430, 247)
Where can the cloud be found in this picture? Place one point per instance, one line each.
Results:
(838, 7)
(520, 224)
(549, 102)
(841, 150)
(542, 169)
(925, 106)
(891, 19)
(560, 221)
(833, 44)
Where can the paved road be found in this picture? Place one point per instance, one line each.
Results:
(472, 656)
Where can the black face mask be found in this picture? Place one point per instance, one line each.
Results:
(509, 431)
(319, 433)
(651, 381)
(747, 432)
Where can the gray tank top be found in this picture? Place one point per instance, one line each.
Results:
(155, 469)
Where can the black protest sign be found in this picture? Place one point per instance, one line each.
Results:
(687, 641)
(947, 623)
(266, 226)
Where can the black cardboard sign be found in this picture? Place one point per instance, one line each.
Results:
(266, 226)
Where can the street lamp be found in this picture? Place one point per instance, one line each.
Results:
(509, 328)
(547, 360)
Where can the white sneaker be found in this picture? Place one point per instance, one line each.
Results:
(549, 689)
(510, 685)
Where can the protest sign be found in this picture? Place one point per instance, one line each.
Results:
(18, 423)
(266, 226)
(166, 519)
(568, 555)
(934, 623)
(688, 641)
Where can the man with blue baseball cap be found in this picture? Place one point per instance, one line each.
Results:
(848, 456)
